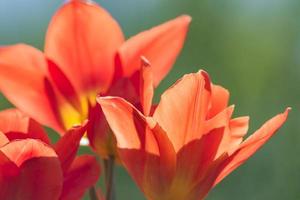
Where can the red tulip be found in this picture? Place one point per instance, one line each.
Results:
(32, 169)
(189, 143)
(85, 54)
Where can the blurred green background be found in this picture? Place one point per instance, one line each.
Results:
(250, 47)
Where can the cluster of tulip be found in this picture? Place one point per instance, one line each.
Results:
(94, 88)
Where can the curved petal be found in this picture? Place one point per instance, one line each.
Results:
(100, 137)
(146, 90)
(82, 40)
(201, 190)
(160, 45)
(63, 84)
(22, 81)
(238, 128)
(125, 87)
(159, 170)
(219, 100)
(3, 139)
(193, 169)
(146, 151)
(16, 125)
(129, 128)
(143, 87)
(82, 175)
(7, 169)
(66, 148)
(127, 123)
(220, 120)
(183, 108)
(252, 144)
(39, 176)
(20, 151)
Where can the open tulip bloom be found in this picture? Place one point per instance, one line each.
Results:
(31, 168)
(188, 143)
(85, 54)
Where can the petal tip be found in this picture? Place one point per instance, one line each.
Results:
(186, 18)
(105, 100)
(145, 62)
(85, 122)
(100, 99)
(202, 72)
(89, 2)
(231, 109)
(207, 79)
(247, 118)
(286, 112)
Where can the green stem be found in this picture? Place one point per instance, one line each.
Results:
(109, 165)
(93, 193)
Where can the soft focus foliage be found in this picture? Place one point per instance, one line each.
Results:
(250, 47)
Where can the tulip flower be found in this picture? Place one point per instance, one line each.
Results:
(33, 169)
(85, 54)
(189, 143)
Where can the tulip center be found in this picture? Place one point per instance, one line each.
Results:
(71, 116)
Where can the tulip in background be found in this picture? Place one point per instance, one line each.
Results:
(189, 143)
(85, 54)
(31, 168)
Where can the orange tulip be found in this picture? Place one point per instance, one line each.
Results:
(33, 169)
(189, 143)
(85, 54)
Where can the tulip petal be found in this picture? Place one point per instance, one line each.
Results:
(219, 100)
(33, 181)
(222, 119)
(82, 40)
(99, 134)
(63, 84)
(234, 131)
(3, 139)
(205, 184)
(66, 148)
(129, 130)
(144, 150)
(252, 144)
(142, 81)
(203, 152)
(146, 88)
(160, 45)
(238, 128)
(16, 125)
(83, 174)
(47, 185)
(185, 104)
(125, 87)
(19, 151)
(22, 81)
(159, 170)
(7, 169)
(128, 124)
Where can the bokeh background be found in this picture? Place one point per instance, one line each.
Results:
(250, 47)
